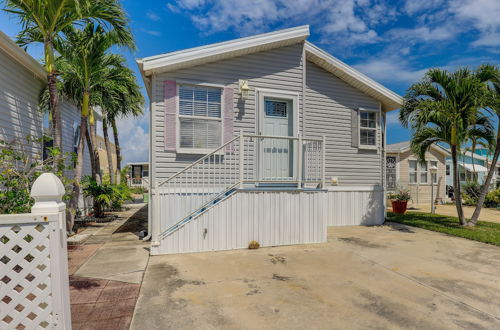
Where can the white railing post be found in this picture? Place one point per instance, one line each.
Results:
(323, 162)
(241, 158)
(155, 230)
(47, 191)
(299, 165)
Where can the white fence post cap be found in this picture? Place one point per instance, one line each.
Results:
(48, 187)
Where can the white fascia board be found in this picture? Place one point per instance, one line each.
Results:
(197, 55)
(20, 56)
(390, 99)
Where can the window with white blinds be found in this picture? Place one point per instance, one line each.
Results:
(200, 121)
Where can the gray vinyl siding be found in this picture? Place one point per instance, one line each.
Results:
(278, 69)
(70, 115)
(329, 105)
(19, 115)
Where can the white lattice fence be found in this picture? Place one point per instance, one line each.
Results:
(33, 264)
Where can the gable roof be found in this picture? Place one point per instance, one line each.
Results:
(20, 56)
(261, 42)
(405, 146)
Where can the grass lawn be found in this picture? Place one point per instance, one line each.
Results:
(486, 232)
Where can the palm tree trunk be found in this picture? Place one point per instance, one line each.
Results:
(456, 183)
(474, 177)
(118, 152)
(92, 160)
(108, 151)
(95, 150)
(53, 96)
(487, 181)
(73, 204)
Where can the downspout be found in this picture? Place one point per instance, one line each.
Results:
(304, 112)
(151, 162)
(383, 158)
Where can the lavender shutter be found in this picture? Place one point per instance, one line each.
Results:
(170, 94)
(228, 117)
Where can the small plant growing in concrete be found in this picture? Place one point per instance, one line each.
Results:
(253, 245)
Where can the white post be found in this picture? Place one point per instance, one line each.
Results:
(299, 165)
(432, 194)
(155, 224)
(242, 158)
(47, 191)
(323, 163)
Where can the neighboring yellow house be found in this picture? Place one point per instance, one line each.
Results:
(403, 170)
(103, 156)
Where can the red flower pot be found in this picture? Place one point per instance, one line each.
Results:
(399, 207)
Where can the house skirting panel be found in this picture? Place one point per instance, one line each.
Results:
(350, 206)
(271, 218)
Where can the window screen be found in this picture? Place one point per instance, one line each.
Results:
(367, 128)
(199, 117)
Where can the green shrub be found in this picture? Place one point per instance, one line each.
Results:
(492, 199)
(401, 194)
(18, 171)
(137, 190)
(107, 197)
(471, 191)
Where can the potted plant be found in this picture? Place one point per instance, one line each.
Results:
(399, 200)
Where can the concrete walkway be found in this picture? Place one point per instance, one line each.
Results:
(487, 214)
(384, 277)
(106, 272)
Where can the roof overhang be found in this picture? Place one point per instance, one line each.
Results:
(388, 99)
(434, 147)
(474, 168)
(220, 51)
(20, 56)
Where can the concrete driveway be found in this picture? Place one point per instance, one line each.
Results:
(389, 276)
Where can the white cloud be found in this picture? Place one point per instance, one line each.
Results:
(340, 21)
(152, 32)
(134, 138)
(393, 118)
(412, 7)
(390, 70)
(483, 15)
(153, 16)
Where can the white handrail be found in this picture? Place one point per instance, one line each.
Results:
(198, 161)
(244, 160)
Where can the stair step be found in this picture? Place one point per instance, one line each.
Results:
(198, 212)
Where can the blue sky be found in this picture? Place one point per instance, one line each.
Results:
(394, 42)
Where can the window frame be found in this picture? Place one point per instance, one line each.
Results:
(434, 177)
(426, 172)
(194, 151)
(376, 129)
(411, 171)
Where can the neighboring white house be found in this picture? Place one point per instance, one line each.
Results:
(22, 79)
(138, 175)
(472, 165)
(265, 138)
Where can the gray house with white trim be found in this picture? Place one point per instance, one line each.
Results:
(265, 138)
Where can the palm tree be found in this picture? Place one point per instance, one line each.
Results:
(44, 21)
(83, 64)
(119, 96)
(445, 108)
(491, 75)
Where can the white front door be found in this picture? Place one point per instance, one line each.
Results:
(277, 154)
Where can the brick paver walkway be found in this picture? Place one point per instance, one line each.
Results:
(100, 303)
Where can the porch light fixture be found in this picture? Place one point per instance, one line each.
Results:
(243, 88)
